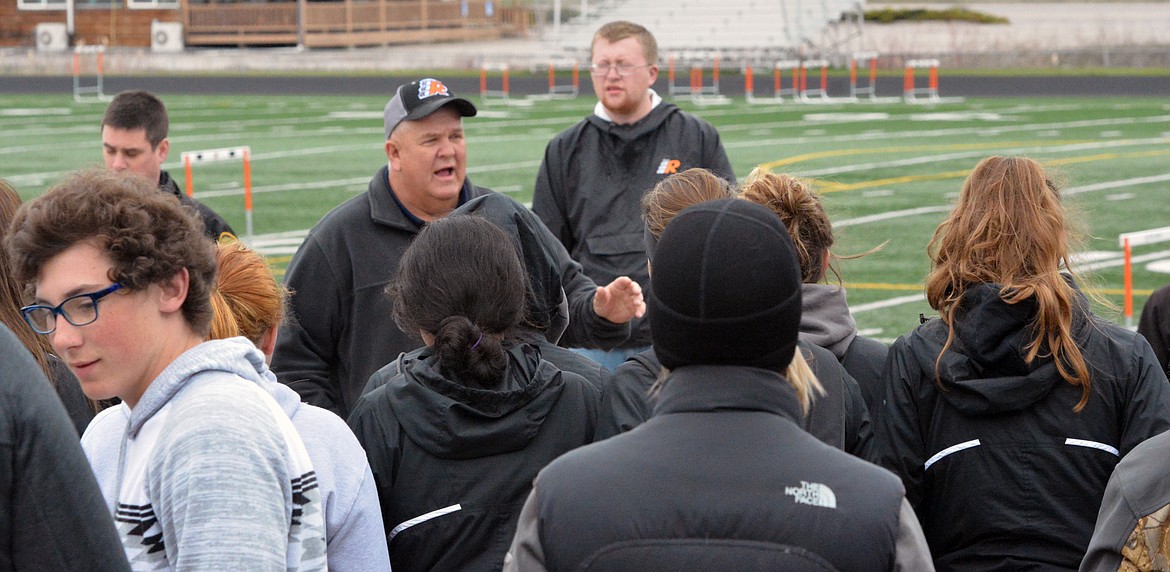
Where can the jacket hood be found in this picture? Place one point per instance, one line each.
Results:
(236, 356)
(640, 128)
(453, 421)
(984, 372)
(548, 307)
(825, 320)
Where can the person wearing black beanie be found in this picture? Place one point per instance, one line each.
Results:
(838, 417)
(722, 475)
(704, 317)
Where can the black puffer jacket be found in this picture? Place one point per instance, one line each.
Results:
(1001, 471)
(720, 478)
(453, 464)
(839, 418)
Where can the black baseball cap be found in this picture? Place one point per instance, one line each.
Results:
(418, 99)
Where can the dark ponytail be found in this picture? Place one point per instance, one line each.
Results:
(461, 281)
(468, 354)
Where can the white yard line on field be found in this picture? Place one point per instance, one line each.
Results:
(884, 135)
(887, 303)
(1090, 145)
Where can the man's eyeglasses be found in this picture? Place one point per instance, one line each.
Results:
(622, 69)
(78, 310)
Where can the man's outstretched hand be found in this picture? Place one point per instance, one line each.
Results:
(619, 301)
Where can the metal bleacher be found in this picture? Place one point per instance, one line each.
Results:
(741, 29)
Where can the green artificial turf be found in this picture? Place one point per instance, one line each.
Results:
(310, 153)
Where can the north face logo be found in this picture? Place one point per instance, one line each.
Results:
(669, 166)
(429, 87)
(814, 494)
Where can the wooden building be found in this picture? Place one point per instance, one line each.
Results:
(171, 24)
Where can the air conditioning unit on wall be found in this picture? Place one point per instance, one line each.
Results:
(166, 36)
(51, 37)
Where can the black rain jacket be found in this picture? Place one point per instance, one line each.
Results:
(1001, 471)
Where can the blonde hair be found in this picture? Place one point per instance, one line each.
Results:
(247, 300)
(678, 191)
(619, 30)
(803, 214)
(1009, 228)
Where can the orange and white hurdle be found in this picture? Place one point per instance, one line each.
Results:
(779, 91)
(89, 61)
(914, 94)
(191, 158)
(498, 91)
(856, 89)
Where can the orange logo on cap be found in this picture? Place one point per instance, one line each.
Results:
(429, 87)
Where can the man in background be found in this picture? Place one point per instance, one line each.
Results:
(589, 188)
(134, 138)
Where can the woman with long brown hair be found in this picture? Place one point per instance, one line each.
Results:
(81, 410)
(1006, 416)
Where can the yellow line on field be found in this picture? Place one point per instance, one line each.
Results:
(827, 186)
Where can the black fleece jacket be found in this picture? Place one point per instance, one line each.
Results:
(341, 329)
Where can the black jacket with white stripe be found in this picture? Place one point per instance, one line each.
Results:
(453, 464)
(1001, 471)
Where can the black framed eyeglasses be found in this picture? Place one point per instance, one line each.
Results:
(622, 69)
(78, 310)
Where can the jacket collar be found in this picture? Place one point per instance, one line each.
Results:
(168, 184)
(708, 388)
(386, 210)
(630, 132)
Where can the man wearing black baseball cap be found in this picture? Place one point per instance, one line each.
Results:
(342, 330)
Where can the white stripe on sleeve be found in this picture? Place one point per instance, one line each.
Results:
(422, 519)
(952, 449)
(1092, 445)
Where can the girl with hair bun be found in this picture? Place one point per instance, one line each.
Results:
(456, 435)
(1006, 415)
(825, 320)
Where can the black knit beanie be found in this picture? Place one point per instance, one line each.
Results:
(725, 288)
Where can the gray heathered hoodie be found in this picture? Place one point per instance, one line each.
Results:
(207, 471)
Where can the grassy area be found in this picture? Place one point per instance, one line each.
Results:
(899, 165)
